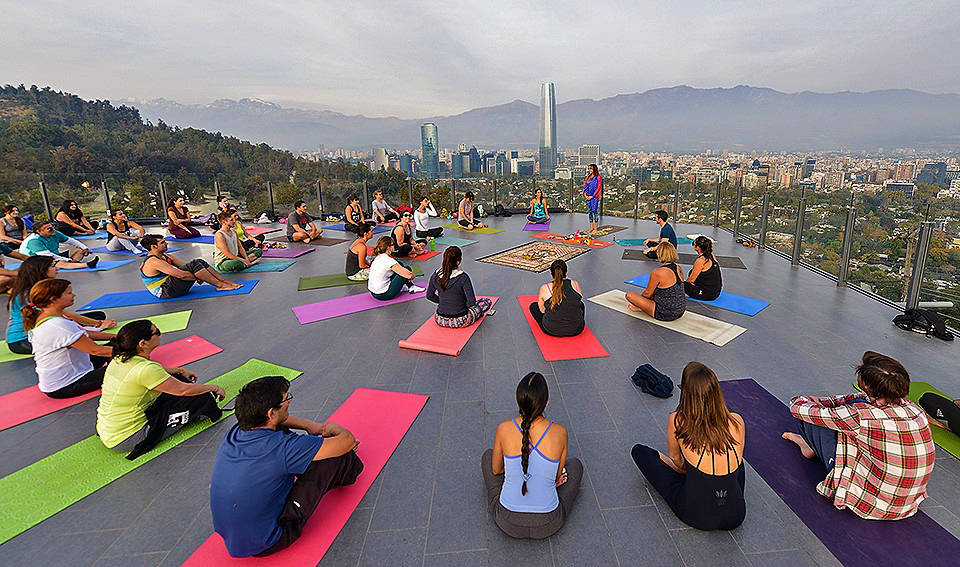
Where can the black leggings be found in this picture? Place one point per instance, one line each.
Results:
(85, 384)
(404, 250)
(390, 216)
(942, 409)
(697, 292)
(24, 346)
(430, 233)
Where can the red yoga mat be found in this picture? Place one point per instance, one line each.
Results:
(379, 420)
(434, 338)
(30, 403)
(593, 242)
(584, 345)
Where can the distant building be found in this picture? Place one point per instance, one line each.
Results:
(548, 131)
(474, 156)
(563, 173)
(808, 167)
(589, 154)
(903, 172)
(380, 159)
(430, 144)
(905, 187)
(524, 167)
(406, 164)
(502, 166)
(933, 174)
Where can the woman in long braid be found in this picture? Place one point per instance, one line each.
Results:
(530, 483)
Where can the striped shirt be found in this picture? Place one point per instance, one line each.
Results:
(884, 455)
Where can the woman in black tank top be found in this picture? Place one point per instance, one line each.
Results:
(559, 309)
(705, 281)
(353, 214)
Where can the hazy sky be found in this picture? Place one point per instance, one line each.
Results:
(414, 59)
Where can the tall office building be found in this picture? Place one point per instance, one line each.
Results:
(380, 159)
(406, 164)
(430, 144)
(808, 167)
(548, 131)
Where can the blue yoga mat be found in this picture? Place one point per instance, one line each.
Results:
(102, 266)
(122, 252)
(454, 241)
(339, 226)
(643, 241)
(144, 297)
(728, 301)
(194, 240)
(265, 266)
(94, 236)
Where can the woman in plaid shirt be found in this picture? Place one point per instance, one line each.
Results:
(877, 447)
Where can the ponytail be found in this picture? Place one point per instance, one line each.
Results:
(42, 294)
(382, 246)
(558, 269)
(127, 341)
(532, 396)
(706, 247)
(451, 259)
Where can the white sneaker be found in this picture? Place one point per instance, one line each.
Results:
(416, 289)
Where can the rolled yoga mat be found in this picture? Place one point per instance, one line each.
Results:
(322, 241)
(122, 252)
(285, 252)
(724, 261)
(268, 266)
(379, 420)
(431, 337)
(30, 403)
(202, 239)
(728, 301)
(918, 540)
(336, 280)
(102, 266)
(144, 297)
(38, 491)
(487, 230)
(453, 241)
(323, 310)
(690, 323)
(584, 345)
(536, 227)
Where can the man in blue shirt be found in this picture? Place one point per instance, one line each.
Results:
(267, 481)
(667, 234)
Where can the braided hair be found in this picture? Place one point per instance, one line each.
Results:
(532, 396)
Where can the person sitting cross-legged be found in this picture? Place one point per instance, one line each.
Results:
(387, 276)
(124, 234)
(165, 276)
(46, 241)
(267, 480)
(465, 213)
(71, 220)
(667, 234)
(450, 288)
(559, 309)
(300, 225)
(664, 299)
(357, 268)
(229, 255)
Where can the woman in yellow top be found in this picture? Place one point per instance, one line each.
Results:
(248, 242)
(132, 383)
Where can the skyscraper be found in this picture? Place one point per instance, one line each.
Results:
(380, 159)
(589, 154)
(429, 141)
(548, 131)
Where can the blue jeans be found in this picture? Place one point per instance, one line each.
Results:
(822, 440)
(593, 216)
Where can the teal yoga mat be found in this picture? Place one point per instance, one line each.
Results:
(643, 241)
(728, 301)
(454, 241)
(265, 266)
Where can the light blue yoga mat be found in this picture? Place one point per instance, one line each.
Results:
(265, 266)
(195, 240)
(144, 297)
(454, 241)
(728, 301)
(339, 226)
(122, 252)
(643, 241)
(102, 266)
(94, 236)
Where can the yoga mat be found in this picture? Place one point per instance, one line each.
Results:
(584, 345)
(593, 243)
(425, 256)
(144, 297)
(256, 231)
(379, 420)
(277, 266)
(945, 438)
(202, 239)
(728, 301)
(724, 261)
(38, 491)
(285, 252)
(536, 227)
(917, 540)
(30, 403)
(102, 266)
(475, 231)
(453, 241)
(123, 252)
(94, 236)
(335, 280)
(340, 226)
(604, 230)
(534, 256)
(431, 337)
(323, 310)
(690, 324)
(315, 242)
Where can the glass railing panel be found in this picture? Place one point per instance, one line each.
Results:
(653, 196)
(941, 278)
(618, 196)
(560, 193)
(783, 219)
(751, 212)
(728, 203)
(22, 190)
(823, 230)
(697, 203)
(85, 189)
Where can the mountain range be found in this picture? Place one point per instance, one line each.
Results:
(675, 119)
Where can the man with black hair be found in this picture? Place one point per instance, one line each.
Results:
(667, 234)
(300, 225)
(267, 481)
(165, 276)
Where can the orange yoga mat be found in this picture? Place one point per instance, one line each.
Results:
(585, 241)
(431, 337)
(379, 420)
(30, 403)
(584, 345)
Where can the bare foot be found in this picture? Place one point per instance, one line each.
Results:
(805, 449)
(225, 287)
(633, 307)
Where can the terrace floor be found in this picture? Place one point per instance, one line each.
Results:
(427, 506)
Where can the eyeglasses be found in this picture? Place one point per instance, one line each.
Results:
(287, 399)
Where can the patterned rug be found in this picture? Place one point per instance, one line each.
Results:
(534, 256)
(603, 230)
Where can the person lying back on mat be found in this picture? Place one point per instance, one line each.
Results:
(421, 217)
(71, 220)
(388, 276)
(165, 276)
(123, 234)
(382, 212)
(178, 220)
(702, 476)
(132, 383)
(403, 241)
(267, 481)
(941, 411)
(664, 298)
(538, 209)
(876, 444)
(667, 234)
(531, 485)
(68, 362)
(352, 213)
(300, 226)
(451, 289)
(357, 267)
(46, 241)
(705, 281)
(228, 254)
(559, 309)
(30, 272)
(465, 213)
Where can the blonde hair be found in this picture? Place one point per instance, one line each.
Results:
(667, 254)
(383, 245)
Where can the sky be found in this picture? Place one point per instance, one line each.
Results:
(415, 59)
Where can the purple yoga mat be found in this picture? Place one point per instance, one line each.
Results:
(917, 540)
(530, 227)
(331, 308)
(285, 252)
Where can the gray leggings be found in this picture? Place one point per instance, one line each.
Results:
(526, 525)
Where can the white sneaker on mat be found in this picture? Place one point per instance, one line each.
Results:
(416, 289)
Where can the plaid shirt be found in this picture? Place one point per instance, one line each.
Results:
(884, 454)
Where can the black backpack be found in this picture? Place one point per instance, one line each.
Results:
(499, 211)
(923, 321)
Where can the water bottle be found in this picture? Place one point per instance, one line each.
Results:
(433, 244)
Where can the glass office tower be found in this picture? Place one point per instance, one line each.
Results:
(548, 131)
(431, 148)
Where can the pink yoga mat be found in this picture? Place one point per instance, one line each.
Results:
(542, 227)
(379, 420)
(30, 403)
(285, 252)
(434, 338)
(254, 231)
(323, 310)
(584, 345)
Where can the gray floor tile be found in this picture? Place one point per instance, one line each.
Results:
(395, 547)
(458, 513)
(639, 537)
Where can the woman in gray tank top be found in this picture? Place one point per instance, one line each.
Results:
(664, 298)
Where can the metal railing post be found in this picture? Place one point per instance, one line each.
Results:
(716, 210)
(366, 197)
(676, 204)
(764, 219)
(847, 246)
(410, 193)
(273, 210)
(738, 211)
(216, 187)
(163, 197)
(798, 231)
(573, 204)
(320, 196)
(46, 199)
(636, 200)
(496, 187)
(106, 195)
(920, 261)
(453, 196)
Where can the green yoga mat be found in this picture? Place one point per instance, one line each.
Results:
(37, 492)
(946, 439)
(334, 280)
(474, 231)
(166, 323)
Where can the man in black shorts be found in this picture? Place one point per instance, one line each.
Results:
(166, 277)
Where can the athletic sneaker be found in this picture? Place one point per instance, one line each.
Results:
(416, 289)
(93, 263)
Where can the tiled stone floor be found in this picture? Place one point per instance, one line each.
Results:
(427, 507)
